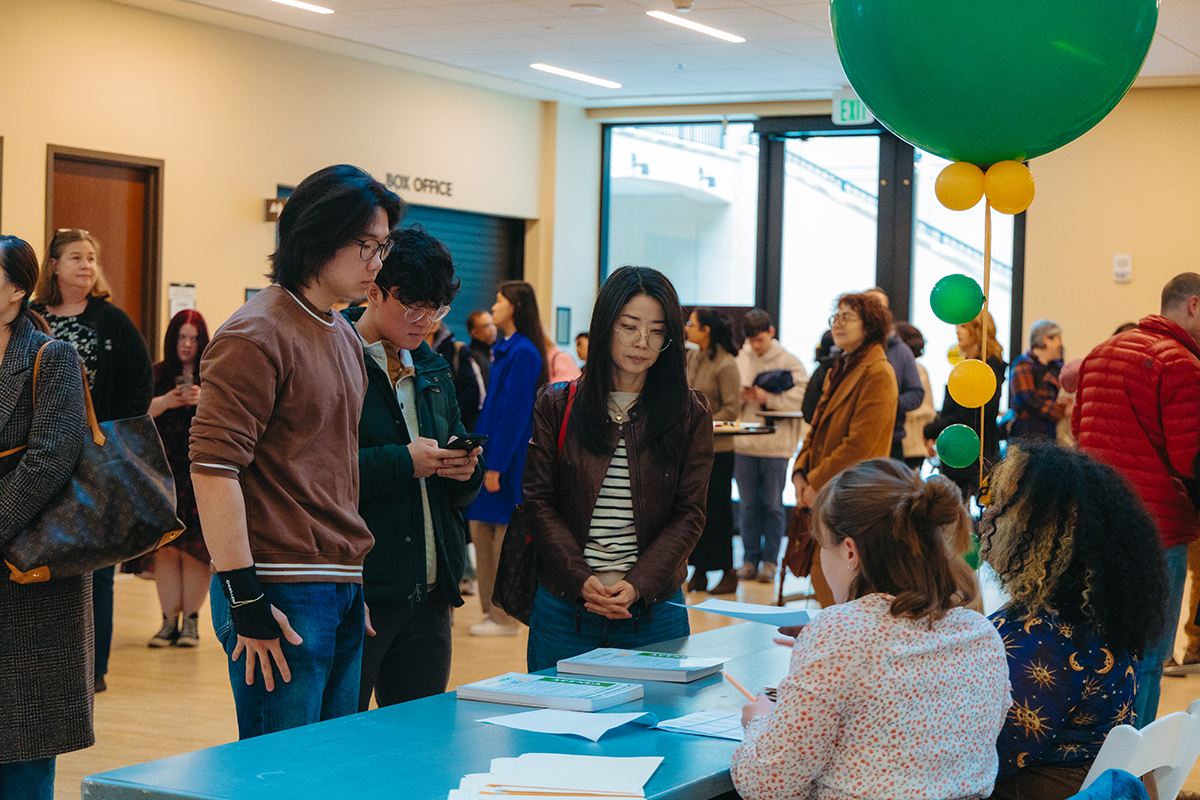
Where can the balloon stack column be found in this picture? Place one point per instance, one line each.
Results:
(988, 85)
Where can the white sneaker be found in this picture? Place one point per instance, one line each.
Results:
(490, 628)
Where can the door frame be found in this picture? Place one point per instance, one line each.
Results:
(152, 256)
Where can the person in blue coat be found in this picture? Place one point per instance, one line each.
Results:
(518, 369)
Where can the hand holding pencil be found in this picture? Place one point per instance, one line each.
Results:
(757, 707)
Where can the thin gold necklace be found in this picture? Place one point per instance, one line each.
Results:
(617, 409)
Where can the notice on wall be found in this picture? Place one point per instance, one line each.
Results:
(181, 297)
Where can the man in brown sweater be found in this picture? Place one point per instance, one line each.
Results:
(274, 450)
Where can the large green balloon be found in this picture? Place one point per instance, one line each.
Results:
(991, 80)
(958, 446)
(956, 299)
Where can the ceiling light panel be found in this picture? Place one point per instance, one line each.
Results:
(577, 76)
(695, 26)
(304, 6)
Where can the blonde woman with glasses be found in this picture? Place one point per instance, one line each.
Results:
(74, 298)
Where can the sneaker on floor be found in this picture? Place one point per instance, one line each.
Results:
(767, 574)
(468, 587)
(747, 572)
(189, 632)
(167, 635)
(490, 628)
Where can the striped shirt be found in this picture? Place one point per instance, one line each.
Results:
(612, 537)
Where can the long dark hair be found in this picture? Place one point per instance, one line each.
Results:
(1067, 535)
(720, 332)
(20, 265)
(170, 368)
(520, 296)
(907, 532)
(664, 399)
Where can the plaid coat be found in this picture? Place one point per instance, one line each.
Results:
(46, 649)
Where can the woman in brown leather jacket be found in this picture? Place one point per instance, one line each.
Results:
(616, 479)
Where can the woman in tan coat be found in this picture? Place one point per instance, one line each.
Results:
(857, 411)
(713, 372)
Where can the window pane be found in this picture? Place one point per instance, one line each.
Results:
(830, 205)
(949, 242)
(683, 199)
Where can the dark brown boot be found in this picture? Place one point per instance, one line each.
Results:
(727, 585)
(699, 582)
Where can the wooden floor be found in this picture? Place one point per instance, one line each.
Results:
(165, 702)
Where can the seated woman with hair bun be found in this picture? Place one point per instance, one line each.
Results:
(1082, 563)
(895, 691)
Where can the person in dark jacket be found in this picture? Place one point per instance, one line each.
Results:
(45, 628)
(475, 367)
(908, 379)
(73, 296)
(615, 515)
(412, 490)
(1033, 390)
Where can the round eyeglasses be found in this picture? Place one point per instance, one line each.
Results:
(843, 318)
(416, 313)
(369, 247)
(629, 336)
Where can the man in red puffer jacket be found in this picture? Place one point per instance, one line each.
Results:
(1138, 409)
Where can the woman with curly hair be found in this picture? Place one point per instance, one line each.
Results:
(896, 691)
(1082, 563)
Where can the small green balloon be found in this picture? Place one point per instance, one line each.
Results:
(956, 299)
(958, 446)
(991, 80)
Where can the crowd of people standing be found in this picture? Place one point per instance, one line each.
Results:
(332, 464)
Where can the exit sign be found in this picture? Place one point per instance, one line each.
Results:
(849, 110)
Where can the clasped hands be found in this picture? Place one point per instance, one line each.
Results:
(612, 602)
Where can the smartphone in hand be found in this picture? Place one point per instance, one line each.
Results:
(467, 442)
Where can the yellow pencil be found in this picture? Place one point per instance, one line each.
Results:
(738, 686)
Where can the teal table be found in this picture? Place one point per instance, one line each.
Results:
(420, 750)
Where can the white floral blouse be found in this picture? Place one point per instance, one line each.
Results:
(879, 707)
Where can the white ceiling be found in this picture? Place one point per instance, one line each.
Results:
(788, 54)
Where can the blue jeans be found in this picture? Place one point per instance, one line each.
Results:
(1157, 652)
(325, 668)
(27, 780)
(553, 634)
(762, 520)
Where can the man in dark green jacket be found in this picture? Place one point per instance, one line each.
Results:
(412, 487)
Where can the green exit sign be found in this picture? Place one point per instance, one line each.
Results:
(849, 110)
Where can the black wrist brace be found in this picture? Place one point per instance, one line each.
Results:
(248, 606)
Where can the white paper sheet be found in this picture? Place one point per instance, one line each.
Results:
(558, 771)
(718, 723)
(586, 724)
(768, 615)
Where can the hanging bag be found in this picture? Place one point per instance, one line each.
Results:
(119, 503)
(516, 571)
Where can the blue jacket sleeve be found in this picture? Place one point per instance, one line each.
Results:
(515, 395)
(907, 378)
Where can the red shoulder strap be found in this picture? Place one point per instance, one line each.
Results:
(562, 431)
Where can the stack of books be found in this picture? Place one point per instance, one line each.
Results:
(609, 662)
(547, 691)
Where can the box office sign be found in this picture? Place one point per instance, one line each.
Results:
(406, 183)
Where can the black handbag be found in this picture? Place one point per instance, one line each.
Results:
(119, 503)
(775, 381)
(516, 571)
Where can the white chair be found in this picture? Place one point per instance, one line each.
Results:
(1167, 747)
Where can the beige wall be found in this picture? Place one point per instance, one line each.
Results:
(1130, 185)
(234, 114)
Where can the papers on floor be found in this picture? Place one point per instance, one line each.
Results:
(571, 723)
(779, 616)
(546, 691)
(610, 662)
(718, 723)
(548, 776)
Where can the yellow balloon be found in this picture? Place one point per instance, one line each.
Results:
(972, 383)
(1009, 186)
(954, 355)
(959, 186)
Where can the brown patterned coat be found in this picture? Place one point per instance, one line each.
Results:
(46, 648)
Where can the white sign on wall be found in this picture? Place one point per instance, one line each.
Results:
(181, 297)
(848, 109)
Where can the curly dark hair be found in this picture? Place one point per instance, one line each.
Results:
(1067, 535)
(419, 270)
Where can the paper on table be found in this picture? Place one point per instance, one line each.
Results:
(589, 725)
(559, 771)
(769, 615)
(718, 723)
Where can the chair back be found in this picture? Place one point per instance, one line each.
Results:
(1167, 747)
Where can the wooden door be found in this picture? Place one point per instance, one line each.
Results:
(116, 198)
